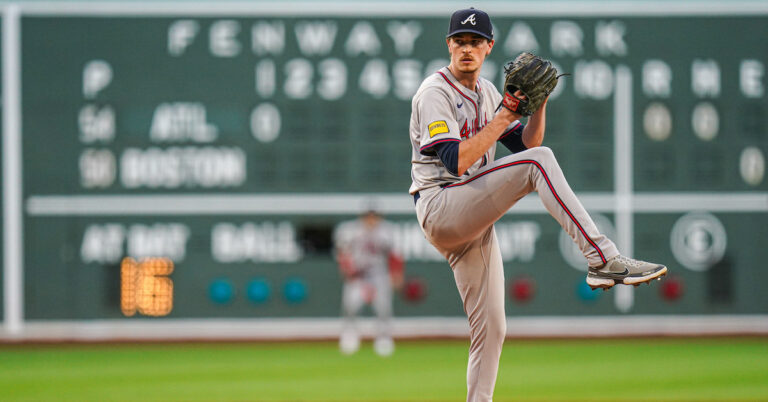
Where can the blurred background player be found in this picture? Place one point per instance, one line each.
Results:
(370, 268)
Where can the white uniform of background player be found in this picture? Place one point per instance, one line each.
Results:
(370, 267)
(460, 191)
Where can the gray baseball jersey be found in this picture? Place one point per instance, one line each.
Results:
(457, 213)
(445, 111)
(367, 248)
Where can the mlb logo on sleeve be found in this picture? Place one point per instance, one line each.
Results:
(438, 127)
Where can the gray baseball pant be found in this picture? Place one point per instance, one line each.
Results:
(353, 299)
(458, 220)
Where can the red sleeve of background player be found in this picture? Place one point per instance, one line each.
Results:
(396, 264)
(346, 266)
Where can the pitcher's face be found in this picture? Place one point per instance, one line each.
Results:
(468, 51)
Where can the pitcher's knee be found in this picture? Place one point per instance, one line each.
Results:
(546, 161)
(496, 331)
(490, 334)
(542, 154)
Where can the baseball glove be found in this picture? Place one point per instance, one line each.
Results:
(535, 77)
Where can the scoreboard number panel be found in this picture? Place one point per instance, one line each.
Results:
(145, 286)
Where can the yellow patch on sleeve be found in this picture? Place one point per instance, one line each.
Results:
(438, 127)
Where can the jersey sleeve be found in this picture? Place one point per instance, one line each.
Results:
(512, 138)
(388, 236)
(437, 119)
(448, 152)
(341, 237)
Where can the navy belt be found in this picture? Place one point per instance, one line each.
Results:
(416, 197)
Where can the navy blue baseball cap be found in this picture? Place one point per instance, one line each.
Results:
(471, 20)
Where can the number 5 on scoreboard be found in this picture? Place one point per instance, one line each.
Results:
(145, 286)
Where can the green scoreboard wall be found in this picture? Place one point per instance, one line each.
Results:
(2, 191)
(233, 143)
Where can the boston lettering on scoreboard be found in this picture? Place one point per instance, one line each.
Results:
(227, 147)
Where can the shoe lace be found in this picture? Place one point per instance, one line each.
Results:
(629, 261)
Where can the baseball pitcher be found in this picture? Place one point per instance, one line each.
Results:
(460, 190)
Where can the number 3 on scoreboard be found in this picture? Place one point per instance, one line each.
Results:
(145, 286)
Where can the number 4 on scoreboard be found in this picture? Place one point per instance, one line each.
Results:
(145, 286)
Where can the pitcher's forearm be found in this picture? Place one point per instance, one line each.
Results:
(474, 148)
(533, 133)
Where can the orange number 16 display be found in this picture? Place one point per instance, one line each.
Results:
(145, 286)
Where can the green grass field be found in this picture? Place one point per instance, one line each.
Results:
(720, 369)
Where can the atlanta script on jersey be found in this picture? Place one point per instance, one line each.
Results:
(445, 111)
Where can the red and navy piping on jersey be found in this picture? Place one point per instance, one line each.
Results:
(511, 130)
(551, 188)
(513, 139)
(432, 144)
(474, 104)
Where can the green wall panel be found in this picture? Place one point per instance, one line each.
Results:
(260, 105)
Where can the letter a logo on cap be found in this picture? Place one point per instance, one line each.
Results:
(470, 20)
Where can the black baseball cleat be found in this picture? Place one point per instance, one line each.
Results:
(623, 270)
